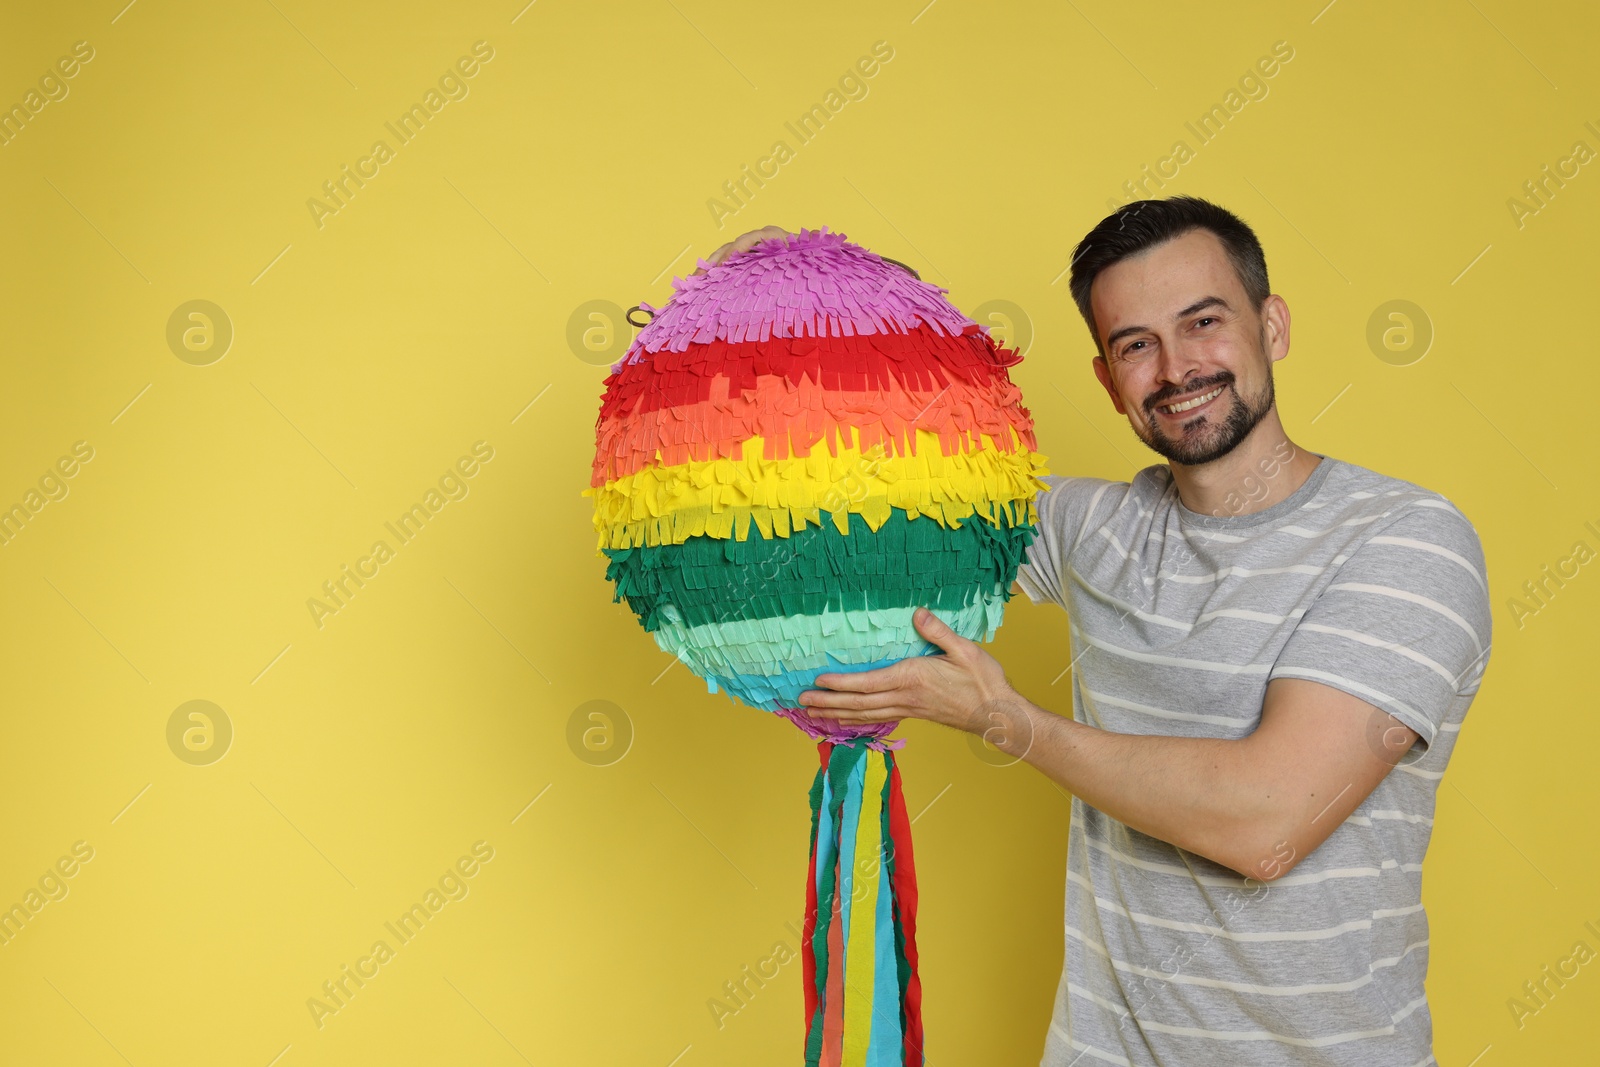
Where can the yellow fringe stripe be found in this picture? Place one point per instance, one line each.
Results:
(721, 497)
(860, 953)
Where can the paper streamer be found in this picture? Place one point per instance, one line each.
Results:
(863, 998)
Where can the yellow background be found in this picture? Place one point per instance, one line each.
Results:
(370, 353)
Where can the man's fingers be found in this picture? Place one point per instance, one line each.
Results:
(822, 698)
(878, 717)
(873, 681)
(714, 258)
(746, 241)
(859, 716)
(743, 243)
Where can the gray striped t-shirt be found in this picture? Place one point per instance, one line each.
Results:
(1178, 621)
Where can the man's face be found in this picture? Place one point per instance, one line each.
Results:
(1177, 329)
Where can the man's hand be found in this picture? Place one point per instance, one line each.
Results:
(746, 241)
(953, 689)
(1257, 804)
(743, 243)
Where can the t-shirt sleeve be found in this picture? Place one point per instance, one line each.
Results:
(1064, 508)
(1405, 623)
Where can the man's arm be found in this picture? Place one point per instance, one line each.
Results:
(1257, 805)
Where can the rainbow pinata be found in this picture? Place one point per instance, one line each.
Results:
(803, 446)
(807, 443)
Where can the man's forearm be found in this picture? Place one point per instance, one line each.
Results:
(1199, 794)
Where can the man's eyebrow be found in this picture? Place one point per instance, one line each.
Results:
(1199, 305)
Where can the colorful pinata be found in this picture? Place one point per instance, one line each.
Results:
(802, 447)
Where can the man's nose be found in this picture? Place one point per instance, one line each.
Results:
(1176, 362)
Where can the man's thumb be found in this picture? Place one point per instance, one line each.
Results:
(934, 629)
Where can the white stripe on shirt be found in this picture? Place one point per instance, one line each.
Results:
(1427, 602)
(1237, 1035)
(1163, 713)
(1174, 661)
(1387, 646)
(1427, 546)
(1222, 881)
(1222, 931)
(1217, 983)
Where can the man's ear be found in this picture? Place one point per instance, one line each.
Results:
(1102, 370)
(1275, 322)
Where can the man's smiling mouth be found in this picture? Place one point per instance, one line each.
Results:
(1185, 405)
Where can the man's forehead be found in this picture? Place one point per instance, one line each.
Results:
(1161, 281)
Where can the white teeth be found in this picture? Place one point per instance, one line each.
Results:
(1173, 409)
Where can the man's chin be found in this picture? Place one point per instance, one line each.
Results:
(1205, 444)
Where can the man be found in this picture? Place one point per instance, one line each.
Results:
(1272, 655)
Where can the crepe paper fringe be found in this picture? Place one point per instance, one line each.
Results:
(814, 283)
(773, 691)
(863, 994)
(876, 735)
(816, 570)
(920, 359)
(825, 621)
(714, 397)
(769, 675)
(719, 497)
(795, 420)
(683, 524)
(799, 642)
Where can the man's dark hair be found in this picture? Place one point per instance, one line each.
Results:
(1135, 227)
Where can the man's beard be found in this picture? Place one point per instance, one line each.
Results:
(1211, 439)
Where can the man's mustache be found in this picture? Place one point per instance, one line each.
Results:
(1193, 385)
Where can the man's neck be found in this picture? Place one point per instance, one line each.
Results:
(1262, 470)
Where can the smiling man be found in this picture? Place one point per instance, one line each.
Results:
(1272, 653)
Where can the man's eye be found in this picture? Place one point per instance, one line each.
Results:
(1208, 318)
